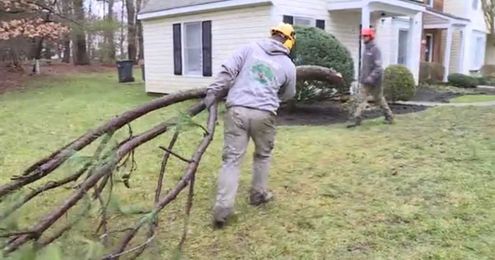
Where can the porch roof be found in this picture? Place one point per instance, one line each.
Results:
(397, 7)
(434, 19)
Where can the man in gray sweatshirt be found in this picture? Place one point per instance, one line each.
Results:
(371, 80)
(257, 77)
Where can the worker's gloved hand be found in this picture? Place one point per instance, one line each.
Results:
(210, 99)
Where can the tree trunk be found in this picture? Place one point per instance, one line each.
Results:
(109, 57)
(90, 35)
(66, 55)
(81, 52)
(131, 30)
(66, 11)
(121, 40)
(14, 57)
(48, 51)
(139, 24)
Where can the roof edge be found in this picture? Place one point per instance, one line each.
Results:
(448, 15)
(200, 8)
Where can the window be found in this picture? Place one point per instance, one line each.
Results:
(429, 48)
(478, 51)
(403, 47)
(475, 4)
(429, 2)
(301, 21)
(193, 49)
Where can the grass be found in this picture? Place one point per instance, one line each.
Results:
(473, 99)
(421, 189)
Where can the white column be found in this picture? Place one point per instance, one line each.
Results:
(365, 23)
(366, 16)
(464, 61)
(414, 56)
(448, 52)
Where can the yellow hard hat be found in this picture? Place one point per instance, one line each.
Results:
(288, 31)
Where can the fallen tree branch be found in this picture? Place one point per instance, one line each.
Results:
(101, 171)
(176, 155)
(163, 167)
(45, 166)
(187, 177)
(105, 168)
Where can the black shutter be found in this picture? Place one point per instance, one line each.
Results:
(177, 49)
(207, 44)
(320, 24)
(288, 19)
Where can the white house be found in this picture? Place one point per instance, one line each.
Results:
(185, 41)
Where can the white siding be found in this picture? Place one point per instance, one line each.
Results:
(230, 30)
(315, 9)
(455, 53)
(345, 27)
(464, 8)
(387, 33)
(456, 7)
(462, 54)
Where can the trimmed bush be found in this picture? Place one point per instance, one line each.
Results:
(462, 81)
(316, 47)
(398, 83)
(431, 73)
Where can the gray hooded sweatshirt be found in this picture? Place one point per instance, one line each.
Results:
(371, 69)
(257, 76)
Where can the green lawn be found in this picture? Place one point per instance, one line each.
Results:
(421, 189)
(474, 99)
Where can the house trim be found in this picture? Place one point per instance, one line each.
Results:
(215, 6)
(358, 4)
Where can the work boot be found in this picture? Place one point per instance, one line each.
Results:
(220, 216)
(354, 123)
(258, 198)
(389, 120)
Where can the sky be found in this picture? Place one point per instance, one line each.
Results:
(97, 7)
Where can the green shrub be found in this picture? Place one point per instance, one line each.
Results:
(431, 73)
(481, 81)
(316, 47)
(486, 81)
(462, 81)
(398, 83)
(488, 70)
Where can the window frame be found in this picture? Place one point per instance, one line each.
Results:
(185, 64)
(312, 21)
(477, 52)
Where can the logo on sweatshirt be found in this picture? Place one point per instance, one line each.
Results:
(262, 73)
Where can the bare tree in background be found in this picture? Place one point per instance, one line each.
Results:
(139, 25)
(81, 53)
(489, 12)
(122, 33)
(131, 30)
(66, 11)
(109, 35)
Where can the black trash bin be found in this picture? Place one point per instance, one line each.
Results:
(124, 68)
